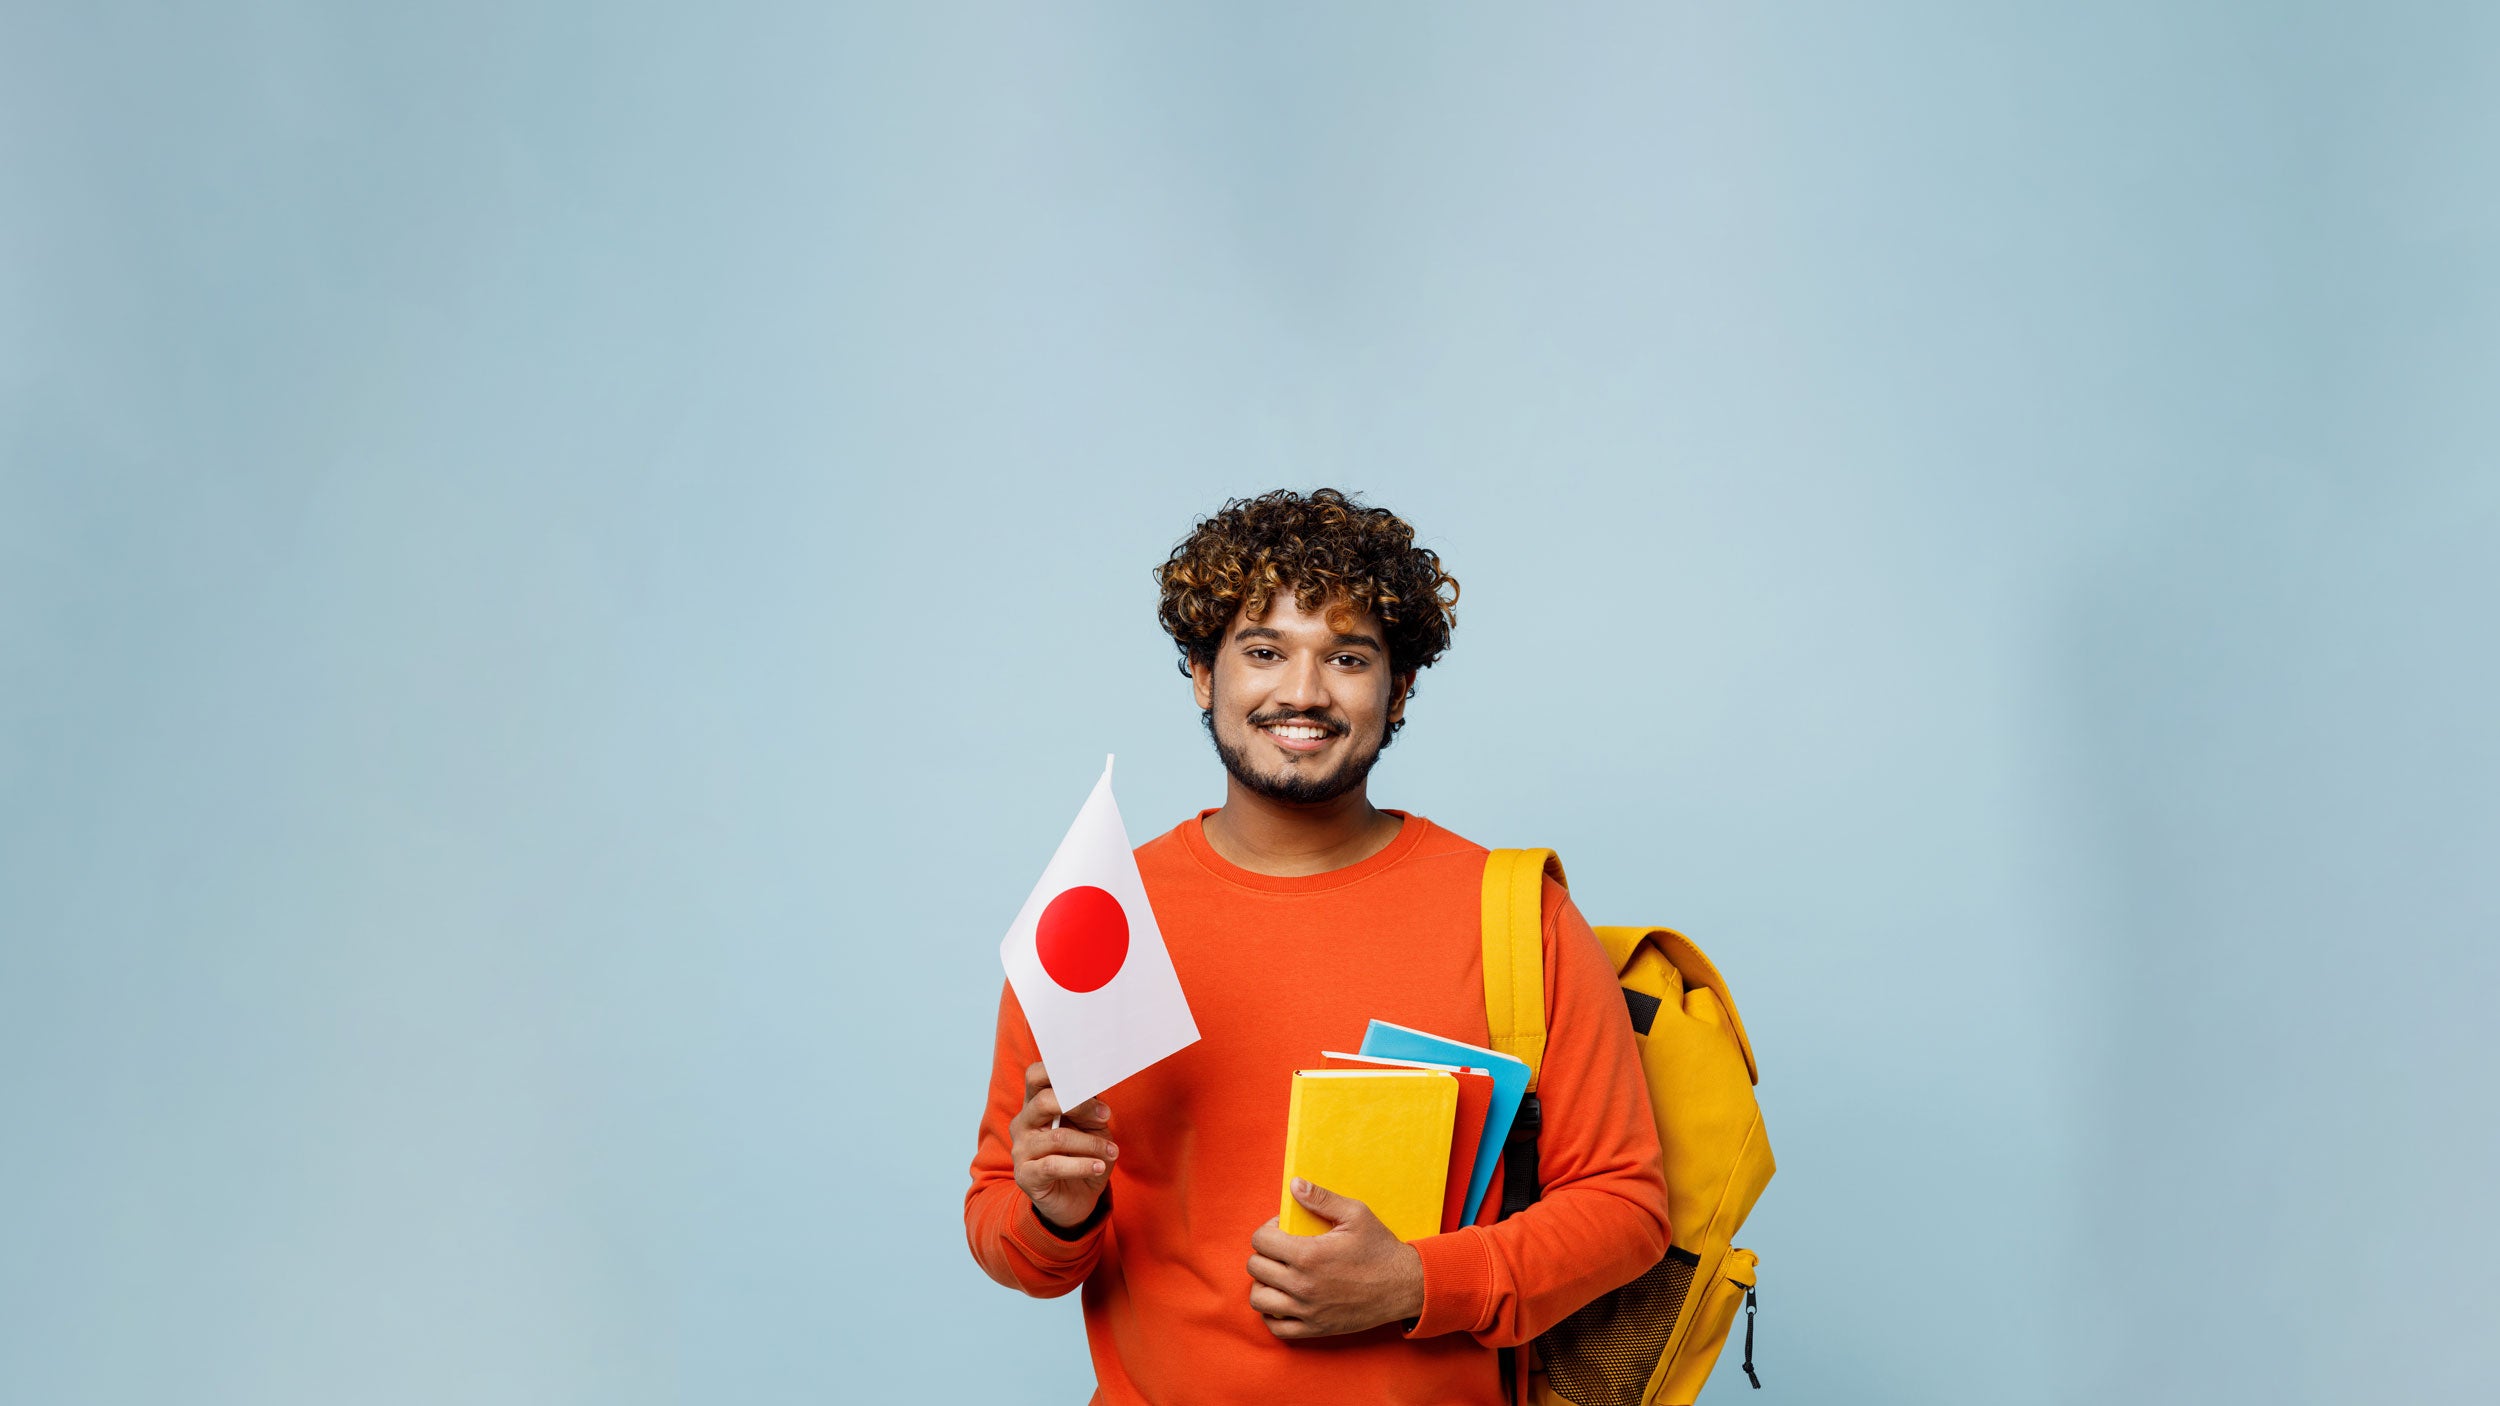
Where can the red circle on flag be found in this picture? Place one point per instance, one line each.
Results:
(1082, 938)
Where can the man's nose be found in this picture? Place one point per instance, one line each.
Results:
(1303, 686)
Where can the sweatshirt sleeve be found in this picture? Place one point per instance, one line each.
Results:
(1602, 1218)
(1008, 1237)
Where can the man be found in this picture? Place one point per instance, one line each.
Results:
(1295, 913)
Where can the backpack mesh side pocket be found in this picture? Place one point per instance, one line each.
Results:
(1604, 1354)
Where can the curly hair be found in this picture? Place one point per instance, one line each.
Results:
(1331, 551)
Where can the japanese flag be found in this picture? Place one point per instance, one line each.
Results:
(1087, 961)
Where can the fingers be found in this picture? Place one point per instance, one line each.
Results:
(1274, 1243)
(1059, 1169)
(1093, 1115)
(1274, 1284)
(1042, 1109)
(1041, 1106)
(1282, 1277)
(1273, 1304)
(1328, 1205)
(1046, 1156)
(1042, 1142)
(1290, 1329)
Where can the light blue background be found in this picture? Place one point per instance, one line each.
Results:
(562, 569)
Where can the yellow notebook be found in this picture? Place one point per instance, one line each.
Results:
(1381, 1136)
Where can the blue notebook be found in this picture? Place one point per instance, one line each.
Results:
(1510, 1080)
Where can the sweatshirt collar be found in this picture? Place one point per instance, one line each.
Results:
(1194, 837)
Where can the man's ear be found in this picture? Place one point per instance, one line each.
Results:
(1202, 683)
(1399, 686)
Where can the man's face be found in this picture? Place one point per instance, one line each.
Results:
(1300, 708)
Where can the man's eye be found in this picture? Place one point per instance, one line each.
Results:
(1352, 660)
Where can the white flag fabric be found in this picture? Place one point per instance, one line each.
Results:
(1088, 963)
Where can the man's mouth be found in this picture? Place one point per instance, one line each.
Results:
(1298, 736)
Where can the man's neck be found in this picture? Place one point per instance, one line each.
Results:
(1287, 840)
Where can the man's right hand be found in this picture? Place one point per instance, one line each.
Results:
(1064, 1169)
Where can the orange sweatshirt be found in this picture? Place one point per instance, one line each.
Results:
(1277, 970)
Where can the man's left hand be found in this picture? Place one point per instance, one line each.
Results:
(1355, 1276)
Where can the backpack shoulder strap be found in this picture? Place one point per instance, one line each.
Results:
(1514, 951)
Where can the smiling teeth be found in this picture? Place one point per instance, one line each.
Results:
(1300, 734)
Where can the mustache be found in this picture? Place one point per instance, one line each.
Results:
(1335, 726)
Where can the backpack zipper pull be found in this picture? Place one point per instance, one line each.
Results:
(1749, 1307)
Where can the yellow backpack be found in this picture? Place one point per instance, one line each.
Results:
(1653, 1341)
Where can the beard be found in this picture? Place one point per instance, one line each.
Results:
(1294, 786)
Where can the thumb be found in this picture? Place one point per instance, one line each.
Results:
(1326, 1204)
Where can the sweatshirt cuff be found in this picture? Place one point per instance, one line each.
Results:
(1458, 1282)
(1051, 1244)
